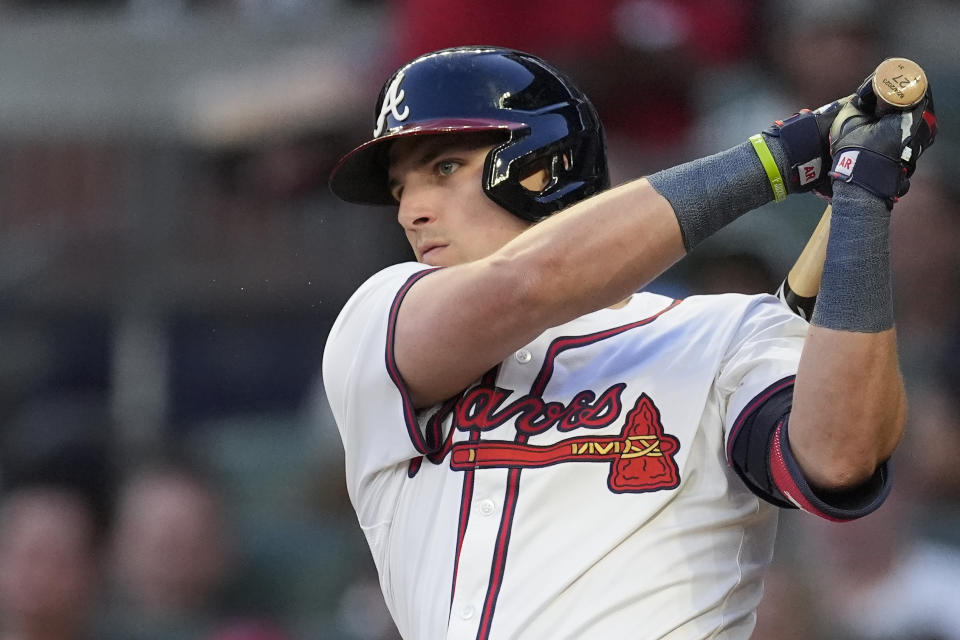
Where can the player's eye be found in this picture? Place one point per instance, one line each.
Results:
(447, 167)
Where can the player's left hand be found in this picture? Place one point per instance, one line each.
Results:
(880, 153)
(805, 137)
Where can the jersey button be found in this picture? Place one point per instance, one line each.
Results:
(524, 356)
(467, 612)
(487, 507)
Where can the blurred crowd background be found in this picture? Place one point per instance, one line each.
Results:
(171, 260)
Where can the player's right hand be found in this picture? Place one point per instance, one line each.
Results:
(880, 154)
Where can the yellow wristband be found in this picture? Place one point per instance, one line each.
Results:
(770, 166)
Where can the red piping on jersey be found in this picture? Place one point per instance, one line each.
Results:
(557, 347)
(560, 345)
(466, 499)
(409, 411)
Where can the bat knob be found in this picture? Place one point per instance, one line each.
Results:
(899, 83)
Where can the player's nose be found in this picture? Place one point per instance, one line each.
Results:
(416, 208)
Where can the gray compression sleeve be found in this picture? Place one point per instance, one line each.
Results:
(709, 193)
(855, 290)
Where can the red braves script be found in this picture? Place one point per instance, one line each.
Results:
(641, 456)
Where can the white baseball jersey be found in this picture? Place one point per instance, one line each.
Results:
(581, 488)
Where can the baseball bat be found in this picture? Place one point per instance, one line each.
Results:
(898, 83)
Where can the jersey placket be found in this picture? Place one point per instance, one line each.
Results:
(479, 571)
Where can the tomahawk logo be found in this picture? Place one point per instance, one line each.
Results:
(391, 105)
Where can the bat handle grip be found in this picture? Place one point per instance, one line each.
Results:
(799, 289)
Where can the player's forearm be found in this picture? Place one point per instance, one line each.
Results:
(849, 406)
(639, 229)
(596, 252)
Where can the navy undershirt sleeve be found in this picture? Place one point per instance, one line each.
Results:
(760, 454)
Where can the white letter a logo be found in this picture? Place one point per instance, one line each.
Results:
(391, 104)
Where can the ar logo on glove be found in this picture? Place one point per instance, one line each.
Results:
(846, 162)
(810, 171)
(391, 103)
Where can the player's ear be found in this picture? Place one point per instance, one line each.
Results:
(536, 181)
(540, 177)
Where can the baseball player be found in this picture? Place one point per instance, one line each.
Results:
(536, 449)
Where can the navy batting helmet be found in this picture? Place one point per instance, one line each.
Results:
(546, 122)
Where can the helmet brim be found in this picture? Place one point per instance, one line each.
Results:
(361, 175)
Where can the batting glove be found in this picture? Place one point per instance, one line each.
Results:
(880, 154)
(805, 138)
